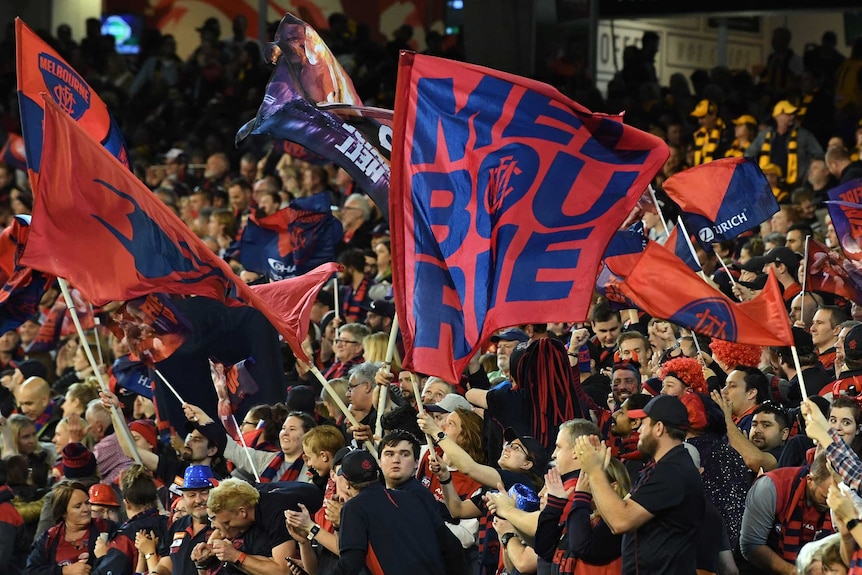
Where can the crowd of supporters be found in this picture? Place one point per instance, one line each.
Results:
(624, 443)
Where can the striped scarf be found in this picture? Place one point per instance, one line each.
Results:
(292, 474)
(791, 174)
(796, 522)
(354, 300)
(45, 417)
(706, 143)
(856, 563)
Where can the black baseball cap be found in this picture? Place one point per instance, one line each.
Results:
(783, 255)
(511, 334)
(853, 343)
(665, 408)
(381, 307)
(359, 467)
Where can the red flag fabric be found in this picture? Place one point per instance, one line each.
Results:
(505, 194)
(663, 286)
(95, 224)
(831, 271)
(152, 326)
(293, 299)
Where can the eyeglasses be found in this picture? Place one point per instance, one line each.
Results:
(339, 340)
(351, 387)
(254, 423)
(515, 446)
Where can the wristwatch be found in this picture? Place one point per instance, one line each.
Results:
(505, 538)
(439, 437)
(853, 523)
(312, 533)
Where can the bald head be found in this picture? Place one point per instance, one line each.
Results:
(33, 397)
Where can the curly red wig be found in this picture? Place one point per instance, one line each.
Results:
(730, 354)
(688, 371)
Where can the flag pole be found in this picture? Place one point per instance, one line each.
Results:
(245, 448)
(170, 387)
(727, 271)
(97, 322)
(431, 453)
(384, 389)
(335, 296)
(804, 280)
(115, 412)
(690, 246)
(658, 209)
(350, 417)
(798, 367)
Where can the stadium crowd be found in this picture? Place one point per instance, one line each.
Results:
(621, 444)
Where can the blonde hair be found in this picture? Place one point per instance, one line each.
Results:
(231, 494)
(339, 386)
(375, 346)
(84, 392)
(323, 438)
(17, 422)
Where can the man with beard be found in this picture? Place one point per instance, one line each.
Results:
(745, 388)
(625, 434)
(770, 427)
(199, 448)
(186, 532)
(660, 518)
(785, 509)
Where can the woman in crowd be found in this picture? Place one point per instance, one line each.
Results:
(19, 437)
(79, 395)
(68, 547)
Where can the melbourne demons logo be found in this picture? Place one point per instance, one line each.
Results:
(68, 89)
(712, 317)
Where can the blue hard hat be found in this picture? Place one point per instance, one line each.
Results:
(198, 477)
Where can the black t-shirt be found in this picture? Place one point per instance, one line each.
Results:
(183, 540)
(394, 529)
(671, 490)
(269, 529)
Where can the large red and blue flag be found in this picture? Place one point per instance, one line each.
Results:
(97, 225)
(829, 270)
(310, 100)
(720, 200)
(506, 194)
(41, 70)
(663, 286)
(677, 243)
(845, 209)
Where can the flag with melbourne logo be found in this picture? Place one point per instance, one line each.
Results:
(506, 194)
(663, 286)
(845, 210)
(310, 100)
(42, 70)
(721, 199)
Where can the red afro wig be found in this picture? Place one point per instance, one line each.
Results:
(730, 354)
(697, 417)
(688, 371)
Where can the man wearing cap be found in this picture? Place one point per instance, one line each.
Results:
(379, 316)
(186, 533)
(744, 128)
(660, 518)
(817, 378)
(785, 509)
(505, 341)
(713, 138)
(28, 331)
(851, 375)
(825, 328)
(784, 262)
(789, 147)
(251, 531)
(374, 518)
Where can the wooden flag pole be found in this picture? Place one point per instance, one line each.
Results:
(384, 389)
(334, 396)
(658, 210)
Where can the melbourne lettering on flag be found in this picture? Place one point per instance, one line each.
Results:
(722, 199)
(42, 70)
(310, 100)
(506, 194)
(845, 210)
(98, 226)
(830, 271)
(663, 286)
